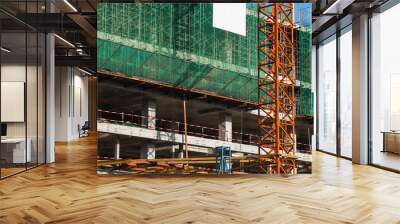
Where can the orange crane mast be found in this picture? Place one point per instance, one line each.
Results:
(276, 84)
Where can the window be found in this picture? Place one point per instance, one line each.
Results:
(385, 89)
(346, 92)
(327, 95)
(22, 76)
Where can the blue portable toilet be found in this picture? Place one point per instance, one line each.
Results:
(223, 160)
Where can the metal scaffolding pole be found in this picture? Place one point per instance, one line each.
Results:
(185, 125)
(276, 83)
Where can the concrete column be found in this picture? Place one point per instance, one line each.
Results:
(173, 151)
(50, 93)
(148, 151)
(117, 148)
(176, 152)
(360, 90)
(225, 127)
(149, 113)
(93, 103)
(180, 156)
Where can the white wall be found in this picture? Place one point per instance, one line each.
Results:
(71, 102)
(80, 110)
(62, 77)
(14, 73)
(33, 127)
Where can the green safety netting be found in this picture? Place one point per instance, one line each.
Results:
(177, 44)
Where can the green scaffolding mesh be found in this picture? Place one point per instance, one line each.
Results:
(305, 100)
(303, 63)
(177, 44)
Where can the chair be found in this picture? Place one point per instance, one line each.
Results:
(84, 130)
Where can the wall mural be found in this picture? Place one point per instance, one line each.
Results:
(179, 93)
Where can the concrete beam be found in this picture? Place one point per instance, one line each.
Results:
(173, 137)
(196, 144)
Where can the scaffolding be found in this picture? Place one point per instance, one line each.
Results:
(276, 88)
(304, 98)
(182, 48)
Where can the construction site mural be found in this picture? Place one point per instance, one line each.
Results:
(204, 89)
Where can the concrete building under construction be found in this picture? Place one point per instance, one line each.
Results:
(172, 87)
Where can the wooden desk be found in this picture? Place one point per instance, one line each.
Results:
(13, 150)
(391, 142)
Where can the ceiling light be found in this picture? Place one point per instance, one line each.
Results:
(5, 50)
(79, 51)
(65, 41)
(84, 71)
(338, 6)
(70, 5)
(333, 6)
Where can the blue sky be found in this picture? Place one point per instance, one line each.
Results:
(302, 14)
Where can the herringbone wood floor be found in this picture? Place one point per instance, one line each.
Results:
(70, 191)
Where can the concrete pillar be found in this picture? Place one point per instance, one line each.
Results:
(148, 151)
(50, 93)
(176, 152)
(117, 148)
(225, 127)
(360, 90)
(149, 113)
(181, 153)
(92, 103)
(173, 151)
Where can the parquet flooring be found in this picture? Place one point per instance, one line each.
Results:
(11, 170)
(70, 191)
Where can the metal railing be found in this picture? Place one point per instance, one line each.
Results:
(174, 126)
